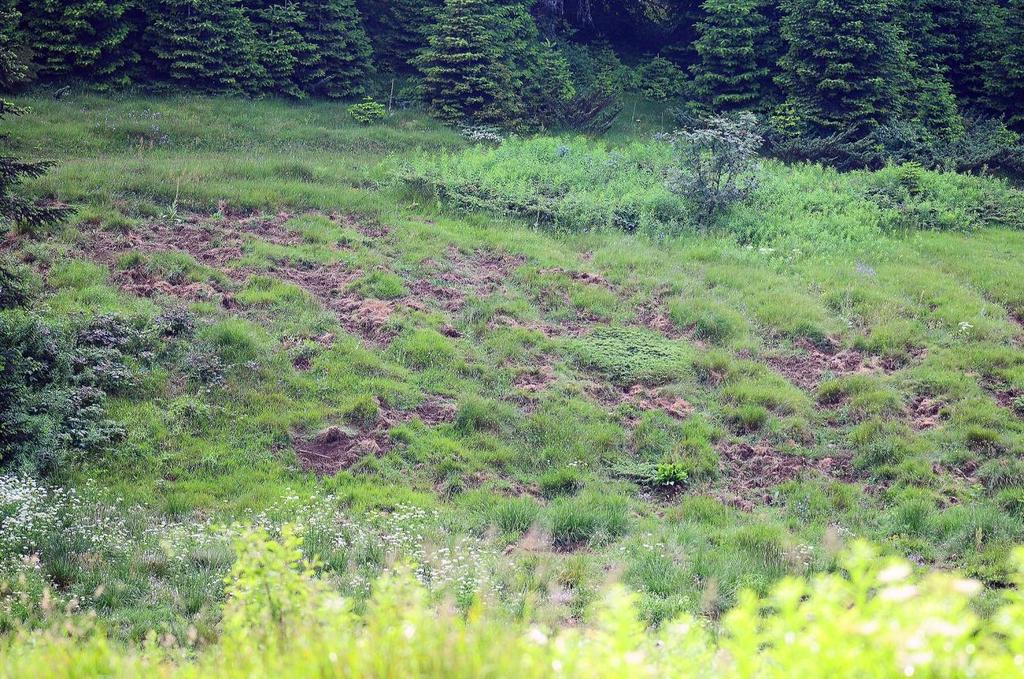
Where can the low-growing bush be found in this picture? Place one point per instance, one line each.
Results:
(716, 165)
(367, 111)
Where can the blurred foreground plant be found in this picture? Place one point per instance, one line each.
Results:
(878, 618)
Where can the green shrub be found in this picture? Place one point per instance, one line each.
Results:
(661, 80)
(716, 165)
(367, 112)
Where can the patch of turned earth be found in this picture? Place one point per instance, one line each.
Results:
(925, 412)
(218, 243)
(810, 364)
(338, 447)
(212, 241)
(639, 397)
(750, 472)
(460, 276)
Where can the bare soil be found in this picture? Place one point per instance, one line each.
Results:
(337, 448)
(752, 471)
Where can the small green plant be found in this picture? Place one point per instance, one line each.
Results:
(671, 474)
(717, 165)
(367, 111)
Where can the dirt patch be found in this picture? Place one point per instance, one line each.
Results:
(218, 243)
(641, 397)
(751, 471)
(210, 241)
(925, 413)
(647, 398)
(808, 368)
(1010, 399)
(480, 274)
(579, 276)
(535, 379)
(337, 448)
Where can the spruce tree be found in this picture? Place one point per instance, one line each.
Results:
(464, 79)
(15, 210)
(737, 60)
(341, 59)
(13, 70)
(79, 38)
(931, 102)
(398, 29)
(281, 49)
(202, 45)
(540, 75)
(1008, 87)
(844, 68)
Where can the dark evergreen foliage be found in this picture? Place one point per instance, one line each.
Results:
(16, 210)
(812, 67)
(464, 78)
(79, 39)
(737, 56)
(202, 45)
(398, 30)
(845, 63)
(340, 49)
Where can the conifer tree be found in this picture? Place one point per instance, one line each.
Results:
(540, 76)
(79, 38)
(464, 78)
(202, 45)
(737, 59)
(13, 70)
(930, 97)
(281, 48)
(1008, 88)
(341, 47)
(844, 67)
(398, 29)
(15, 210)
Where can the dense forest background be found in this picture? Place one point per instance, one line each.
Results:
(936, 81)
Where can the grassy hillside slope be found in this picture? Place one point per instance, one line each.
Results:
(323, 333)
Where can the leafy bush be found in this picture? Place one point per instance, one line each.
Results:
(53, 385)
(716, 166)
(367, 112)
(912, 199)
(571, 184)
